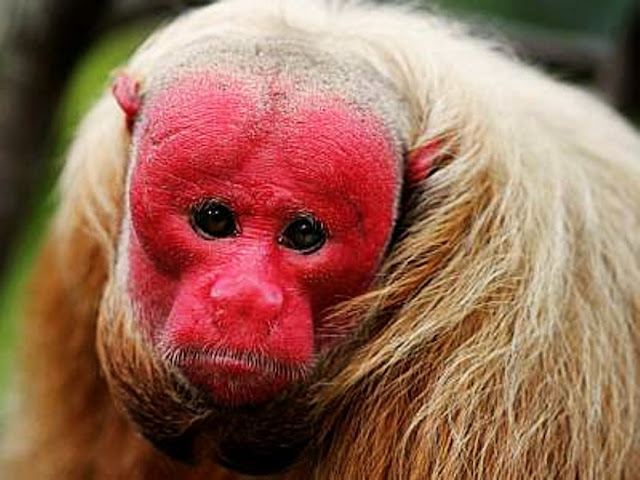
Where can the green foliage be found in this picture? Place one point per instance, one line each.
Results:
(600, 17)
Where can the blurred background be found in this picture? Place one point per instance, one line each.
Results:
(56, 56)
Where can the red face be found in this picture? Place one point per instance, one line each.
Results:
(255, 207)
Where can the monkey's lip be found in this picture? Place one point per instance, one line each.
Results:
(235, 377)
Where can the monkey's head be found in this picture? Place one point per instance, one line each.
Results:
(263, 190)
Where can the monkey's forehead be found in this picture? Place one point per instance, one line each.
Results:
(260, 61)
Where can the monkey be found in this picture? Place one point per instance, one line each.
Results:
(336, 240)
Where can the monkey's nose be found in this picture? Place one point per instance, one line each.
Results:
(249, 302)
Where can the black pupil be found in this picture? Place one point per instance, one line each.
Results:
(214, 220)
(305, 234)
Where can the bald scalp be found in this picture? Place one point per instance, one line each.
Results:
(310, 68)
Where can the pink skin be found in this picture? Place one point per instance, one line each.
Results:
(126, 91)
(421, 162)
(247, 308)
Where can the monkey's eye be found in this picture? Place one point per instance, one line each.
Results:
(213, 219)
(304, 234)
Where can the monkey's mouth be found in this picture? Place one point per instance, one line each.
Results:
(235, 377)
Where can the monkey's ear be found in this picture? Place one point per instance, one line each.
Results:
(421, 161)
(126, 91)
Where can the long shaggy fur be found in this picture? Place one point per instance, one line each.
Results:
(502, 336)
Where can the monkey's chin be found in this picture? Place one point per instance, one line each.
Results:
(243, 435)
(250, 439)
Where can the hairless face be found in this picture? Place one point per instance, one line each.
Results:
(258, 200)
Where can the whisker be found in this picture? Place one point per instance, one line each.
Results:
(269, 366)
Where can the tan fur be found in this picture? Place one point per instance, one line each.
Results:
(505, 321)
